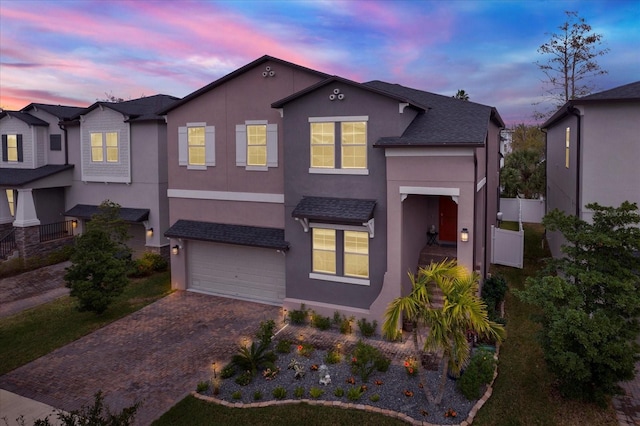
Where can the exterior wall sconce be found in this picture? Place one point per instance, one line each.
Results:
(175, 249)
(149, 232)
(74, 224)
(464, 235)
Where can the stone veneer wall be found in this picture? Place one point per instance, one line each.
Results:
(29, 245)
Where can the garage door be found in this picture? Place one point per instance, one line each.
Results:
(241, 272)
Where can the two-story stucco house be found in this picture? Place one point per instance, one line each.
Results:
(370, 170)
(593, 148)
(290, 186)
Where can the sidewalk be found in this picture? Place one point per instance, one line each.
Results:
(13, 406)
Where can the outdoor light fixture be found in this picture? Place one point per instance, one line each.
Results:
(464, 235)
(175, 249)
(150, 232)
(74, 223)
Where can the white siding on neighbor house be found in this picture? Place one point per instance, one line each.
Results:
(42, 140)
(104, 121)
(14, 126)
(241, 272)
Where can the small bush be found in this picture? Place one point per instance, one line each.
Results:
(298, 317)
(365, 359)
(367, 329)
(252, 358)
(265, 331)
(320, 322)
(305, 349)
(478, 373)
(244, 378)
(493, 293)
(337, 318)
(382, 364)
(346, 325)
(339, 392)
(236, 395)
(98, 414)
(148, 264)
(354, 393)
(279, 392)
(332, 357)
(283, 346)
(257, 396)
(316, 392)
(298, 392)
(374, 398)
(228, 371)
(202, 387)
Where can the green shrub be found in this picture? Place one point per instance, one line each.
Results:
(265, 331)
(99, 414)
(365, 359)
(257, 396)
(320, 322)
(493, 293)
(228, 371)
(148, 264)
(367, 329)
(279, 392)
(298, 392)
(332, 357)
(374, 398)
(316, 392)
(202, 386)
(236, 395)
(339, 392)
(337, 318)
(346, 325)
(252, 358)
(283, 346)
(354, 393)
(478, 373)
(298, 317)
(244, 378)
(305, 349)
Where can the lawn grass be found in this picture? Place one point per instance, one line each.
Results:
(36, 332)
(195, 412)
(523, 391)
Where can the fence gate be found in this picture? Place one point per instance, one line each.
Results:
(507, 247)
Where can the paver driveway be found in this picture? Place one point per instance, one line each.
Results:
(156, 355)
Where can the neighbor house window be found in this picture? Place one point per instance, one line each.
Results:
(350, 157)
(257, 145)
(196, 146)
(104, 145)
(12, 147)
(567, 138)
(324, 251)
(356, 254)
(12, 203)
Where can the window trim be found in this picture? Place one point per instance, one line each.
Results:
(104, 147)
(242, 143)
(19, 144)
(338, 148)
(209, 146)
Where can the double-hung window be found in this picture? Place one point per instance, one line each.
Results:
(12, 148)
(104, 145)
(257, 145)
(196, 146)
(350, 157)
(349, 265)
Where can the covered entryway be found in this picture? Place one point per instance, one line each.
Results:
(242, 272)
(448, 213)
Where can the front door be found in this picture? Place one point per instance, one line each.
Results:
(448, 219)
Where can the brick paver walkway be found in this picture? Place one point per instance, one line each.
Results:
(156, 355)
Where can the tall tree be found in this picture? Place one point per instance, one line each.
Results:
(570, 61)
(523, 175)
(528, 137)
(461, 94)
(462, 311)
(589, 301)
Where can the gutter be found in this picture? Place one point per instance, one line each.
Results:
(575, 111)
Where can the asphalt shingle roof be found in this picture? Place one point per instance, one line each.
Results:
(85, 211)
(341, 210)
(63, 112)
(24, 116)
(627, 92)
(137, 109)
(229, 234)
(20, 177)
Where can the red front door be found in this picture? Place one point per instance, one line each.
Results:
(448, 220)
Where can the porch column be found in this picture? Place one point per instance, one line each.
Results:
(25, 210)
(5, 212)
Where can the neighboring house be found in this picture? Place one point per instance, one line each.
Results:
(226, 182)
(34, 175)
(593, 149)
(337, 212)
(120, 153)
(370, 169)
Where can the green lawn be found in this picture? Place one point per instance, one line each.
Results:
(38, 331)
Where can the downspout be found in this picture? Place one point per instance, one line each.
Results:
(475, 208)
(486, 203)
(66, 142)
(575, 111)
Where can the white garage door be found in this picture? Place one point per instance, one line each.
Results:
(241, 272)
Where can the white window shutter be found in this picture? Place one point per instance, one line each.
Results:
(210, 146)
(241, 145)
(272, 145)
(183, 146)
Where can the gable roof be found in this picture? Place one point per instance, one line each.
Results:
(25, 117)
(447, 121)
(625, 93)
(18, 177)
(63, 112)
(140, 109)
(242, 70)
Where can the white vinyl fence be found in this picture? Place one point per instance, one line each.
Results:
(507, 247)
(515, 209)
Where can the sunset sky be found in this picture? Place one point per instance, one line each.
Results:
(73, 52)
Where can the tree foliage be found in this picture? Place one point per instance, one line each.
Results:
(523, 175)
(462, 311)
(100, 261)
(570, 61)
(462, 95)
(528, 137)
(589, 301)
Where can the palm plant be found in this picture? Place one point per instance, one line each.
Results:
(251, 358)
(463, 310)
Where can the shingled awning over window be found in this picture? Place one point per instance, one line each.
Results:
(230, 234)
(346, 211)
(85, 211)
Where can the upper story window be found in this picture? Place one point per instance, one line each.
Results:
(12, 148)
(567, 139)
(104, 145)
(196, 146)
(257, 145)
(351, 157)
